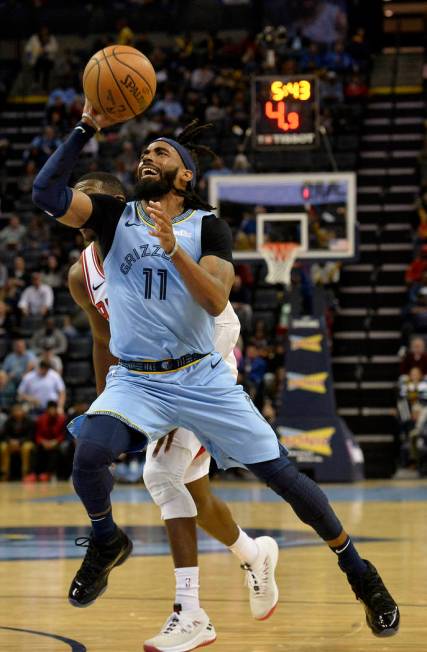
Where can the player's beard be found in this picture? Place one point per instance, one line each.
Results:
(148, 188)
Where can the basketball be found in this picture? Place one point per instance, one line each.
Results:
(119, 81)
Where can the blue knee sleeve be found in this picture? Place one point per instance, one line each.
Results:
(306, 498)
(102, 438)
(92, 478)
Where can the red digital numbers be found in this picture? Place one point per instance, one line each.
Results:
(285, 121)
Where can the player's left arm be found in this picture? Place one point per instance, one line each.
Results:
(209, 280)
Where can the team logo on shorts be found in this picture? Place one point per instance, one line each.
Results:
(307, 382)
(315, 441)
(311, 343)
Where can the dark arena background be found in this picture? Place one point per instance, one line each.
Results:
(318, 112)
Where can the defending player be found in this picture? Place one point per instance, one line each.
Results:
(167, 261)
(182, 457)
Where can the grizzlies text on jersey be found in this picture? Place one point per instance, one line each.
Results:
(162, 318)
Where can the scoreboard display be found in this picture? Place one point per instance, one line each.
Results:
(285, 112)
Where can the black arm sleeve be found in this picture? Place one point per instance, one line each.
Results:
(105, 216)
(216, 238)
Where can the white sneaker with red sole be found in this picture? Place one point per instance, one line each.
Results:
(263, 590)
(183, 631)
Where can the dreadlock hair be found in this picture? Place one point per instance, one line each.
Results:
(186, 138)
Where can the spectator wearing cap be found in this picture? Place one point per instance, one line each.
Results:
(415, 357)
(37, 298)
(50, 441)
(49, 337)
(17, 439)
(40, 386)
(20, 361)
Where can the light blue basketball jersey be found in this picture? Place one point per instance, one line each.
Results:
(152, 314)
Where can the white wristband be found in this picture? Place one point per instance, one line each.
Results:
(174, 250)
(93, 120)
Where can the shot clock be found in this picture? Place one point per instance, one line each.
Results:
(284, 112)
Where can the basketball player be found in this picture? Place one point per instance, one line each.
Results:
(186, 460)
(167, 262)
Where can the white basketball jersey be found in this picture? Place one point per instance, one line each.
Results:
(95, 279)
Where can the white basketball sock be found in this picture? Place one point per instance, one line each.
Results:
(245, 548)
(187, 588)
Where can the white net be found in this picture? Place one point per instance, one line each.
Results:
(280, 257)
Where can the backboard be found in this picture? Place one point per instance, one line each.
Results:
(316, 210)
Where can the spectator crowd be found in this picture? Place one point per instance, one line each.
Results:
(412, 383)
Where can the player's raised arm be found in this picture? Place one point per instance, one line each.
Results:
(50, 190)
(102, 358)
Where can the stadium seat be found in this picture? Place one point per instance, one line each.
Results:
(78, 373)
(84, 394)
(30, 324)
(80, 348)
(265, 299)
(64, 303)
(4, 347)
(267, 317)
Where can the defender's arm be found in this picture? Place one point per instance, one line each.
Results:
(102, 358)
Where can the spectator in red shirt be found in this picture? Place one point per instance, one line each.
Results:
(415, 357)
(50, 440)
(414, 271)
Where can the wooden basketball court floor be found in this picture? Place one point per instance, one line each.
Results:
(316, 612)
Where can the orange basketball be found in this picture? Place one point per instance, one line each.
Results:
(119, 81)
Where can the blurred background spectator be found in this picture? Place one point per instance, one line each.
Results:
(40, 386)
(40, 53)
(36, 299)
(53, 449)
(17, 441)
(19, 362)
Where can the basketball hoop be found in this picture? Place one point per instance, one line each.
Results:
(280, 257)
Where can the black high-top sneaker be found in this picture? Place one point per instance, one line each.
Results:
(382, 613)
(92, 577)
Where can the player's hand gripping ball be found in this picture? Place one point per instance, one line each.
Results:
(120, 82)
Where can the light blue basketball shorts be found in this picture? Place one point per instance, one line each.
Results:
(202, 398)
